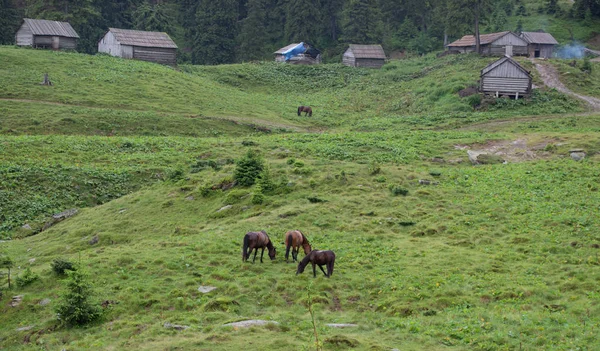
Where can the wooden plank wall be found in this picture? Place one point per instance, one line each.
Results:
(24, 36)
(369, 63)
(505, 85)
(158, 55)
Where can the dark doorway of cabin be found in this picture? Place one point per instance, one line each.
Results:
(537, 53)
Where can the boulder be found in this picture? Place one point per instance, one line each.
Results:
(60, 217)
(224, 208)
(341, 325)
(206, 289)
(577, 154)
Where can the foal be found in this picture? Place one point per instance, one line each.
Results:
(319, 258)
(295, 239)
(255, 241)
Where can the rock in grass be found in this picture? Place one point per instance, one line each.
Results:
(29, 327)
(206, 289)
(249, 323)
(16, 301)
(577, 154)
(487, 159)
(224, 208)
(44, 302)
(342, 325)
(26, 226)
(175, 326)
(94, 240)
(60, 217)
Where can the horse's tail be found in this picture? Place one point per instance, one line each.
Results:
(299, 110)
(245, 248)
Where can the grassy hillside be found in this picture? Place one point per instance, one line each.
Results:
(488, 257)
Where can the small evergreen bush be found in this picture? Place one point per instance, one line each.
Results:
(248, 168)
(398, 190)
(75, 307)
(61, 266)
(27, 278)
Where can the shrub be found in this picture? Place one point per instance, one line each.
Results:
(265, 182)
(290, 161)
(474, 100)
(75, 307)
(61, 266)
(258, 198)
(374, 168)
(587, 65)
(27, 278)
(248, 169)
(381, 179)
(201, 165)
(176, 174)
(398, 190)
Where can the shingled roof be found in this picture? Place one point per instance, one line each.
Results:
(367, 51)
(469, 40)
(50, 28)
(143, 38)
(539, 38)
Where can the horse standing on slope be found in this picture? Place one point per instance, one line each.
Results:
(306, 109)
(319, 258)
(295, 239)
(255, 241)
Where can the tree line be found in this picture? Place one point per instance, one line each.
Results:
(227, 31)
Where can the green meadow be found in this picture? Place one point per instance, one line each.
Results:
(484, 257)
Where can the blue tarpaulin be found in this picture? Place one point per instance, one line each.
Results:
(296, 50)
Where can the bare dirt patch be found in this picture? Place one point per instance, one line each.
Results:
(513, 151)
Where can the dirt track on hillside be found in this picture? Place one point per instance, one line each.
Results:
(551, 79)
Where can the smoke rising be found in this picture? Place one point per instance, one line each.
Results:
(571, 51)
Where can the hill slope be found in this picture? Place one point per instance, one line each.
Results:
(487, 257)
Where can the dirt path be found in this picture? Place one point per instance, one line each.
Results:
(551, 79)
(252, 122)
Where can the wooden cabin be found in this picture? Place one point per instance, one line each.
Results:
(540, 44)
(301, 59)
(46, 34)
(371, 56)
(493, 44)
(505, 77)
(139, 45)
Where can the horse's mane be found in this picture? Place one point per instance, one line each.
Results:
(304, 261)
(304, 237)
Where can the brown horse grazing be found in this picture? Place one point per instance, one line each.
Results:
(319, 258)
(306, 109)
(255, 241)
(295, 239)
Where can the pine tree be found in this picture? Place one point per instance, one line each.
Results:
(303, 21)
(253, 36)
(214, 41)
(9, 21)
(552, 7)
(362, 25)
(154, 18)
(75, 307)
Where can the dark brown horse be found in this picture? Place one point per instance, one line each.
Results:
(306, 109)
(319, 258)
(295, 239)
(255, 241)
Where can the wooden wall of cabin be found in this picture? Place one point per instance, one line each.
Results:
(159, 55)
(24, 36)
(369, 63)
(505, 86)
